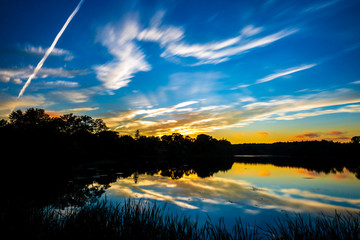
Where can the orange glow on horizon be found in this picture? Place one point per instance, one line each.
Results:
(269, 170)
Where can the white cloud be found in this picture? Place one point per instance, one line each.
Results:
(345, 109)
(19, 74)
(171, 38)
(163, 35)
(221, 51)
(68, 56)
(17, 81)
(61, 83)
(149, 113)
(250, 30)
(77, 110)
(279, 74)
(128, 119)
(319, 6)
(247, 99)
(284, 73)
(5, 79)
(310, 101)
(355, 82)
(128, 57)
(160, 33)
(291, 107)
(72, 96)
(122, 43)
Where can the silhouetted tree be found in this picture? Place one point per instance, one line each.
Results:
(31, 118)
(137, 134)
(3, 123)
(70, 123)
(167, 139)
(355, 139)
(203, 138)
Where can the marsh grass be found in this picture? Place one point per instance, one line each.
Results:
(144, 220)
(339, 226)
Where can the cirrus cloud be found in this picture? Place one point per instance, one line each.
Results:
(18, 74)
(128, 58)
(122, 41)
(221, 51)
(39, 50)
(279, 74)
(209, 118)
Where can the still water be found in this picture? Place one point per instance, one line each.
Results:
(254, 192)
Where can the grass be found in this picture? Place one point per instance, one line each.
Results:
(338, 226)
(144, 220)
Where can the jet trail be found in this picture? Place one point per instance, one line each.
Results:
(49, 50)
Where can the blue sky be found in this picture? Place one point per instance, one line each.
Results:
(248, 71)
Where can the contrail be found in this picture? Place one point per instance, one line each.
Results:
(49, 50)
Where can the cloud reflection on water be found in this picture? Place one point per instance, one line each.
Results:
(234, 196)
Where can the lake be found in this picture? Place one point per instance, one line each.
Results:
(254, 192)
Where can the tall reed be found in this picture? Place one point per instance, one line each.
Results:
(144, 220)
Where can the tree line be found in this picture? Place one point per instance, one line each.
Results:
(71, 138)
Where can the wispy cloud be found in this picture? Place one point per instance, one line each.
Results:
(356, 82)
(78, 110)
(319, 6)
(61, 83)
(128, 57)
(345, 109)
(209, 118)
(74, 96)
(16, 75)
(284, 73)
(247, 99)
(297, 107)
(279, 74)
(160, 33)
(137, 115)
(221, 51)
(49, 50)
(173, 40)
(5, 79)
(122, 42)
(68, 56)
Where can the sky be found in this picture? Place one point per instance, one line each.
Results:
(247, 71)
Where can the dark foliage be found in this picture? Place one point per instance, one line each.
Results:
(320, 156)
(69, 140)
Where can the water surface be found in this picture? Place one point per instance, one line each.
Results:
(254, 192)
